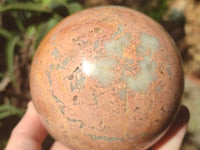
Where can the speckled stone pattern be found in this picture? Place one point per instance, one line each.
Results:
(107, 78)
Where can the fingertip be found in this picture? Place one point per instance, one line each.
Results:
(30, 104)
(29, 132)
(182, 117)
(58, 146)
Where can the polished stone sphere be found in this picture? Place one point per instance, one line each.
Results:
(107, 78)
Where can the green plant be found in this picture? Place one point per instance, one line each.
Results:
(23, 24)
(155, 8)
(8, 110)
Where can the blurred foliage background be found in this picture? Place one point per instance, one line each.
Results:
(23, 24)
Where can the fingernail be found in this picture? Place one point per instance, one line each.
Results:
(182, 117)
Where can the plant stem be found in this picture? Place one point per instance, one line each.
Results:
(10, 56)
(7, 110)
(36, 7)
(5, 33)
(8, 35)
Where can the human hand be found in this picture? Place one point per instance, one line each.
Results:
(30, 133)
(173, 139)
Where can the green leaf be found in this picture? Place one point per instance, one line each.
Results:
(155, 9)
(74, 7)
(44, 29)
(6, 34)
(47, 2)
(31, 30)
(18, 22)
(2, 75)
(59, 7)
(8, 110)
(36, 7)
(10, 56)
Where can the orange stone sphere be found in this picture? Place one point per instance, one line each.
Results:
(107, 78)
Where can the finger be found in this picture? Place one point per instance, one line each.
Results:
(175, 142)
(174, 137)
(29, 133)
(56, 145)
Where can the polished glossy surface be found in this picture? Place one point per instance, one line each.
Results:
(107, 78)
